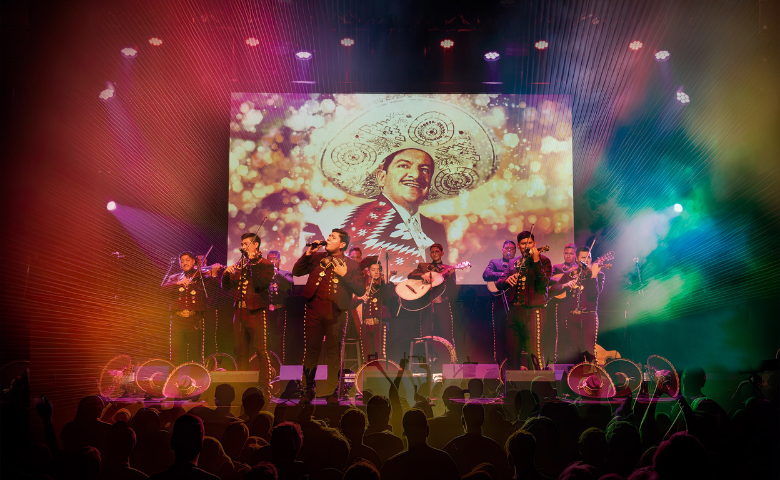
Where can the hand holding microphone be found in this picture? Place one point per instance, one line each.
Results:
(314, 246)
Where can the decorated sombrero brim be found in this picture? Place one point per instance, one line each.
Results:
(662, 371)
(462, 148)
(186, 381)
(590, 380)
(625, 374)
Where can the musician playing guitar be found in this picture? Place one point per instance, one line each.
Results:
(499, 306)
(439, 318)
(579, 331)
(557, 293)
(526, 280)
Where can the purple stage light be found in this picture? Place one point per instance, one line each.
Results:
(635, 45)
(155, 42)
(447, 43)
(683, 98)
(347, 42)
(129, 52)
(492, 56)
(541, 45)
(252, 42)
(303, 55)
(111, 206)
(662, 56)
(107, 94)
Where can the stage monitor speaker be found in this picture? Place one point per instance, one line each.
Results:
(240, 380)
(521, 379)
(470, 370)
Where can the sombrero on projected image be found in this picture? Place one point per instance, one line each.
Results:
(590, 380)
(463, 150)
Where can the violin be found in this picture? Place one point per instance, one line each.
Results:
(207, 271)
(520, 261)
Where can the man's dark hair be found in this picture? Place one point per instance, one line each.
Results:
(361, 470)
(378, 410)
(353, 423)
(251, 235)
(262, 471)
(525, 234)
(189, 254)
(582, 249)
(355, 248)
(474, 414)
(344, 237)
(389, 159)
(274, 252)
(508, 241)
(187, 437)
(570, 245)
(286, 440)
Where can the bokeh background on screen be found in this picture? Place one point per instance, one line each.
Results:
(277, 143)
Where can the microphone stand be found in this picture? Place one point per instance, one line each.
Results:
(167, 274)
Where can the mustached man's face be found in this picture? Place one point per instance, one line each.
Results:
(186, 263)
(407, 180)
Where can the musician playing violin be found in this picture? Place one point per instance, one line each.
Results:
(374, 311)
(526, 282)
(188, 303)
(249, 279)
(578, 334)
(440, 318)
(333, 279)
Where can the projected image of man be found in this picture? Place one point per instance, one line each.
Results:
(393, 220)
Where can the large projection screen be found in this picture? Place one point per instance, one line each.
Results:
(401, 172)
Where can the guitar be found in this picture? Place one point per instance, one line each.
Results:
(413, 293)
(493, 287)
(572, 273)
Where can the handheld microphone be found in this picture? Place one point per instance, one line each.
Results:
(318, 243)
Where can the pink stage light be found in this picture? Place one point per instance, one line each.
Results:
(347, 42)
(541, 45)
(156, 42)
(111, 206)
(106, 94)
(129, 52)
(252, 42)
(635, 45)
(303, 55)
(447, 43)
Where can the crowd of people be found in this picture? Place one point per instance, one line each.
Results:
(529, 435)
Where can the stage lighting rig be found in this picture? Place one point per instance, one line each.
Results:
(541, 45)
(111, 206)
(303, 55)
(252, 42)
(635, 45)
(492, 56)
(662, 56)
(678, 208)
(447, 43)
(683, 98)
(155, 42)
(107, 94)
(347, 42)
(129, 52)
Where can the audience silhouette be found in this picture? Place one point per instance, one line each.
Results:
(530, 435)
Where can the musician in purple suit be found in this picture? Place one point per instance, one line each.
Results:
(333, 279)
(526, 282)
(249, 279)
(439, 318)
(499, 305)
